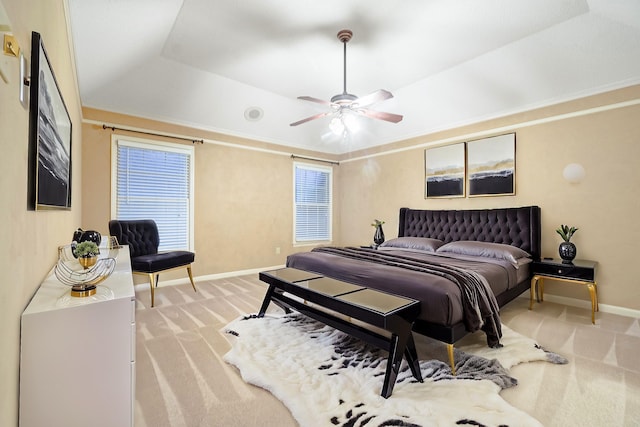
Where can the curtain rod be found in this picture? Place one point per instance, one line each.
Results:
(201, 141)
(192, 140)
(293, 156)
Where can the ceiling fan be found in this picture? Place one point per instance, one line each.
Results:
(345, 103)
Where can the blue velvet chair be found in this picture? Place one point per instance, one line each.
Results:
(143, 240)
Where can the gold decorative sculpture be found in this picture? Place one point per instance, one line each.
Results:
(83, 280)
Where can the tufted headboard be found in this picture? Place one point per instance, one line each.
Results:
(513, 226)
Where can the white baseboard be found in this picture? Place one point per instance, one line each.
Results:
(574, 302)
(216, 276)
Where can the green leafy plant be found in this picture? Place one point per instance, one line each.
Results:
(566, 232)
(377, 223)
(86, 249)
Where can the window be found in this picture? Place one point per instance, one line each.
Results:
(312, 203)
(155, 181)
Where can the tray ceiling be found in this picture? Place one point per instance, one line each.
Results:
(204, 63)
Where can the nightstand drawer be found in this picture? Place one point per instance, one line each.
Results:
(584, 270)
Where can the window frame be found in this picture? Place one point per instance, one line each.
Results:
(329, 171)
(162, 146)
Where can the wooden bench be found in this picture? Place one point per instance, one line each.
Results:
(392, 313)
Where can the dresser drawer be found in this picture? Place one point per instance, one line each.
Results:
(579, 270)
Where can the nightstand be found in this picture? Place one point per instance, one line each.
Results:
(580, 272)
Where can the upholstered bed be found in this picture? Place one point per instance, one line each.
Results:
(462, 265)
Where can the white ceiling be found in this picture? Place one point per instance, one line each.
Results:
(203, 63)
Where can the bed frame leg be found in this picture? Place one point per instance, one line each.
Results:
(451, 360)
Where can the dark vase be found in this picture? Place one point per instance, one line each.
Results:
(567, 251)
(81, 235)
(378, 237)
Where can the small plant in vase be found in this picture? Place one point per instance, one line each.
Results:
(567, 250)
(87, 253)
(378, 236)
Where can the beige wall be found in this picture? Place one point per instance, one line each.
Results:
(244, 197)
(29, 240)
(604, 206)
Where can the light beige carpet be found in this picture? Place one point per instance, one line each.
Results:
(183, 381)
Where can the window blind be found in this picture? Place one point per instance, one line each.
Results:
(312, 187)
(154, 182)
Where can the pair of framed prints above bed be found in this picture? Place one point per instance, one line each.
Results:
(483, 167)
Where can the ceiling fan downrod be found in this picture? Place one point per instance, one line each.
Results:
(344, 36)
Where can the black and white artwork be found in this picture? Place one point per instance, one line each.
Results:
(444, 171)
(49, 136)
(491, 166)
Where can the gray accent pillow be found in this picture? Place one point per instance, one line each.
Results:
(415, 243)
(485, 249)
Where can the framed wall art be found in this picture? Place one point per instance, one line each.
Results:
(491, 166)
(49, 135)
(445, 171)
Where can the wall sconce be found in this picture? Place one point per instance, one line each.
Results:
(574, 173)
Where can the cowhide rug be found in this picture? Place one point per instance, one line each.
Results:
(327, 378)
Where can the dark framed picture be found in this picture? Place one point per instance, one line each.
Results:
(491, 166)
(49, 135)
(444, 171)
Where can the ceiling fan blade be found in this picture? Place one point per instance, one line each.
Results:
(316, 100)
(389, 117)
(372, 98)
(308, 119)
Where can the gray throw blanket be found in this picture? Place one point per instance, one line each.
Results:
(480, 308)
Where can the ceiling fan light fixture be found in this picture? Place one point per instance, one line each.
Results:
(336, 125)
(351, 122)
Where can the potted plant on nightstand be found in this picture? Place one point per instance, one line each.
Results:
(567, 250)
(87, 253)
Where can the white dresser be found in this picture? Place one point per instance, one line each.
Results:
(77, 362)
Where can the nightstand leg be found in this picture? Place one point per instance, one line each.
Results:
(594, 301)
(534, 290)
(537, 289)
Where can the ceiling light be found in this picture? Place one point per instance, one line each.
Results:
(253, 114)
(337, 125)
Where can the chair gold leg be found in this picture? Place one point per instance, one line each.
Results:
(151, 284)
(191, 278)
(451, 359)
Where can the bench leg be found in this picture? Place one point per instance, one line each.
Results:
(412, 358)
(400, 345)
(393, 365)
(266, 300)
